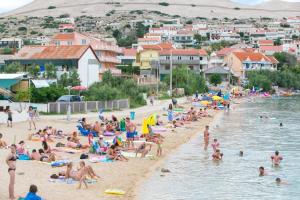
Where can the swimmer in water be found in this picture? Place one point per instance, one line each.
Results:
(280, 124)
(262, 171)
(241, 154)
(279, 181)
(276, 158)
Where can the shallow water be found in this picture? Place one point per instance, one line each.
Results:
(194, 176)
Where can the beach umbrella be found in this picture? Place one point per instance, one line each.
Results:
(217, 98)
(205, 103)
(79, 88)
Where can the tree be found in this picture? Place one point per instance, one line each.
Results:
(22, 95)
(277, 42)
(13, 67)
(50, 71)
(47, 94)
(71, 79)
(34, 70)
(215, 79)
(285, 59)
(117, 34)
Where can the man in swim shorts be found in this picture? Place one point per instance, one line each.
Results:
(131, 129)
(276, 158)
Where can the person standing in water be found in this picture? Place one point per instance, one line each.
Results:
(206, 137)
(276, 158)
(11, 161)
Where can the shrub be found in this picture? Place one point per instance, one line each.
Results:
(51, 7)
(22, 28)
(7, 51)
(215, 79)
(163, 4)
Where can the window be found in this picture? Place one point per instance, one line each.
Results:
(167, 67)
(179, 58)
(69, 43)
(83, 42)
(167, 57)
(191, 67)
(93, 62)
(57, 43)
(201, 58)
(191, 58)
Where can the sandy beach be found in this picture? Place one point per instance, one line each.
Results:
(117, 175)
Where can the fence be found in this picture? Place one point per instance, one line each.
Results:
(87, 106)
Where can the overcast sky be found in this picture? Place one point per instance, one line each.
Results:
(6, 5)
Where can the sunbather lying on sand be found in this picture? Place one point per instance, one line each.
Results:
(3, 144)
(46, 158)
(74, 145)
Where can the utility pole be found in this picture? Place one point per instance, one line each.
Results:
(171, 69)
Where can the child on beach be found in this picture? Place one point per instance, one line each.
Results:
(276, 158)
(215, 145)
(9, 117)
(217, 155)
(32, 193)
(159, 147)
(3, 144)
(31, 116)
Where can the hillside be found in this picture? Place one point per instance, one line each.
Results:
(192, 8)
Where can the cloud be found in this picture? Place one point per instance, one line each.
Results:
(7, 5)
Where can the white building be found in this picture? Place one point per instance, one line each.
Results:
(11, 43)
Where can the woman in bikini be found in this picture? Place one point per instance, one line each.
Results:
(31, 115)
(11, 161)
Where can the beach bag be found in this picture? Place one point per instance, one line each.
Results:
(84, 156)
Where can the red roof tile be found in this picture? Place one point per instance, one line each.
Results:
(254, 57)
(158, 46)
(52, 52)
(271, 48)
(265, 42)
(129, 52)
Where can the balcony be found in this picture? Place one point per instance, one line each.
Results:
(115, 49)
(181, 62)
(109, 59)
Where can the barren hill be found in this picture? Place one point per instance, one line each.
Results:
(191, 8)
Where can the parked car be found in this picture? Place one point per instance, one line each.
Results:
(69, 98)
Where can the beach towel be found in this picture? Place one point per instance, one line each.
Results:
(108, 133)
(158, 129)
(133, 154)
(70, 181)
(98, 159)
(23, 157)
(60, 163)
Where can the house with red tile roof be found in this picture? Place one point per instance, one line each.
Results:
(195, 59)
(265, 43)
(81, 58)
(128, 56)
(106, 51)
(241, 62)
(270, 50)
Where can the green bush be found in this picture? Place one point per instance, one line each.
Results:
(22, 28)
(7, 51)
(163, 4)
(215, 79)
(51, 7)
(47, 94)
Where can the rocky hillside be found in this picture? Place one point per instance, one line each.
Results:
(191, 8)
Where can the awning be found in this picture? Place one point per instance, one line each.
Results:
(40, 83)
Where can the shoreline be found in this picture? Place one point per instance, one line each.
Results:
(125, 176)
(216, 116)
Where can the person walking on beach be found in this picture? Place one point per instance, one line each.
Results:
(31, 116)
(9, 117)
(11, 161)
(206, 137)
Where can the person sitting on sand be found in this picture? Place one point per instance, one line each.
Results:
(46, 147)
(46, 158)
(21, 149)
(74, 137)
(262, 171)
(143, 150)
(115, 122)
(109, 127)
(45, 136)
(215, 145)
(102, 147)
(113, 154)
(217, 155)
(200, 113)
(117, 141)
(85, 125)
(276, 158)
(51, 131)
(74, 145)
(35, 155)
(32, 193)
(3, 144)
(97, 128)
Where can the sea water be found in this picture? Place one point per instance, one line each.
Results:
(194, 176)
